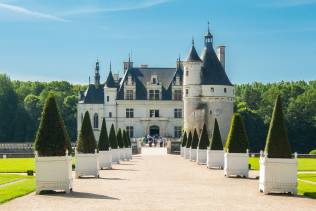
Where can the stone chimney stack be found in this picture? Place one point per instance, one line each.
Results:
(220, 52)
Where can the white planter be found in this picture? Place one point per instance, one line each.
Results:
(215, 159)
(105, 159)
(201, 156)
(53, 173)
(126, 150)
(87, 164)
(187, 153)
(130, 153)
(115, 155)
(236, 164)
(278, 175)
(122, 154)
(193, 154)
(181, 151)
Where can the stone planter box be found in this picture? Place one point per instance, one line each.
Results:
(182, 151)
(278, 175)
(215, 159)
(126, 153)
(53, 173)
(130, 153)
(193, 154)
(236, 164)
(115, 155)
(87, 164)
(187, 153)
(201, 156)
(122, 153)
(105, 159)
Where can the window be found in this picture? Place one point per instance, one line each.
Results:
(96, 121)
(129, 113)
(177, 95)
(178, 113)
(130, 131)
(154, 80)
(153, 94)
(225, 90)
(177, 131)
(212, 89)
(187, 73)
(110, 114)
(153, 113)
(107, 98)
(186, 92)
(129, 95)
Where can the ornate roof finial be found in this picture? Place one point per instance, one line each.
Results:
(110, 66)
(192, 41)
(89, 80)
(208, 27)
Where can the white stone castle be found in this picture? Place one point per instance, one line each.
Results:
(163, 101)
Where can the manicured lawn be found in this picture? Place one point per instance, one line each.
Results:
(18, 165)
(309, 177)
(307, 189)
(6, 178)
(19, 188)
(304, 164)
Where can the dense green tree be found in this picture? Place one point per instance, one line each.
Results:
(86, 142)
(195, 140)
(52, 138)
(113, 139)
(104, 143)
(237, 140)
(204, 140)
(125, 139)
(216, 143)
(119, 137)
(184, 139)
(189, 142)
(277, 144)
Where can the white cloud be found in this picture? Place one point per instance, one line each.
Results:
(24, 11)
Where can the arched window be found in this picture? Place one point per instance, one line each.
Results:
(96, 121)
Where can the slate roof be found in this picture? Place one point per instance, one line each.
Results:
(193, 55)
(93, 95)
(110, 81)
(213, 72)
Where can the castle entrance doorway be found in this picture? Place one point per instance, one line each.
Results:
(154, 130)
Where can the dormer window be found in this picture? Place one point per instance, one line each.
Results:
(129, 80)
(129, 95)
(154, 95)
(212, 89)
(154, 79)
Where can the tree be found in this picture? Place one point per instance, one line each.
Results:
(195, 140)
(184, 139)
(119, 137)
(125, 139)
(86, 142)
(189, 142)
(277, 144)
(103, 144)
(216, 143)
(204, 140)
(129, 140)
(237, 140)
(52, 138)
(113, 139)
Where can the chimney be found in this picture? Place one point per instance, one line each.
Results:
(220, 52)
(144, 66)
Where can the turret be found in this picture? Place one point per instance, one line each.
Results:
(97, 74)
(110, 95)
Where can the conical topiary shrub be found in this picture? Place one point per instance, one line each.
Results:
(204, 140)
(237, 140)
(277, 144)
(189, 142)
(184, 139)
(195, 140)
(104, 143)
(216, 143)
(52, 138)
(113, 139)
(125, 139)
(119, 137)
(86, 142)
(129, 140)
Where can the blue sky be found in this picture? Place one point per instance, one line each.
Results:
(266, 41)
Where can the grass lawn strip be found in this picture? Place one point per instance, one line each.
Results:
(307, 189)
(8, 178)
(308, 177)
(17, 189)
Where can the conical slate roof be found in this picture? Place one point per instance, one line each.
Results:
(193, 55)
(213, 72)
(110, 81)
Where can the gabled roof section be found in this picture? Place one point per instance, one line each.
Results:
(213, 72)
(110, 81)
(93, 95)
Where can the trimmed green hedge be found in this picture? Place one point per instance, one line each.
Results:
(237, 141)
(204, 140)
(119, 138)
(184, 139)
(313, 152)
(195, 140)
(277, 143)
(104, 143)
(86, 142)
(216, 143)
(125, 139)
(52, 138)
(113, 139)
(189, 142)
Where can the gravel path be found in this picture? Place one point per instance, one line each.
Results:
(155, 181)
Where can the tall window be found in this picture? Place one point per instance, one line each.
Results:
(225, 90)
(154, 94)
(96, 121)
(177, 113)
(110, 114)
(187, 73)
(129, 113)
(129, 95)
(130, 131)
(177, 131)
(154, 113)
(107, 98)
(186, 92)
(212, 89)
(177, 94)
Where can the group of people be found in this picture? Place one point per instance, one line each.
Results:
(155, 140)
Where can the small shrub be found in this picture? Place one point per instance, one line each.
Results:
(125, 139)
(204, 140)
(313, 152)
(119, 137)
(104, 144)
(237, 141)
(86, 142)
(184, 139)
(216, 143)
(30, 172)
(113, 139)
(195, 140)
(189, 142)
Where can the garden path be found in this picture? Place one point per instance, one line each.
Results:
(156, 181)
